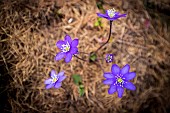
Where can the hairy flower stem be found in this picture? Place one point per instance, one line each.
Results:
(107, 39)
(80, 58)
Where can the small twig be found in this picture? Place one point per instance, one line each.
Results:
(121, 37)
(5, 62)
(132, 44)
(122, 41)
(83, 53)
(98, 64)
(5, 32)
(101, 59)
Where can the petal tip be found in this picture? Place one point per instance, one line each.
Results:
(115, 69)
(68, 58)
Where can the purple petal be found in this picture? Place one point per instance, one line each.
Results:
(60, 43)
(108, 75)
(102, 15)
(129, 76)
(120, 91)
(74, 43)
(112, 89)
(61, 78)
(74, 50)
(52, 73)
(125, 69)
(68, 39)
(129, 85)
(59, 56)
(68, 57)
(60, 74)
(48, 81)
(117, 13)
(107, 13)
(115, 69)
(109, 81)
(122, 15)
(49, 86)
(57, 85)
(118, 16)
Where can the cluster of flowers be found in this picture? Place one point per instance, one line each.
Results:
(118, 79)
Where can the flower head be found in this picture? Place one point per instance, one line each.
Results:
(109, 58)
(118, 79)
(111, 15)
(55, 80)
(68, 48)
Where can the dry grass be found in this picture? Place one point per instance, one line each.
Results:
(30, 32)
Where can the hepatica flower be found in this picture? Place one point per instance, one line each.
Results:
(68, 48)
(109, 58)
(118, 79)
(111, 15)
(55, 80)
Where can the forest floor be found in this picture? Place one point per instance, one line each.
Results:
(29, 30)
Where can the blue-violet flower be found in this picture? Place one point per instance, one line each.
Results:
(118, 79)
(111, 15)
(68, 48)
(109, 58)
(55, 80)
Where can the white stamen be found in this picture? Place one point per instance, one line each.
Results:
(65, 47)
(54, 79)
(111, 12)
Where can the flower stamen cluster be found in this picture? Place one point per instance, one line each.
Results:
(65, 47)
(109, 58)
(111, 12)
(119, 80)
(54, 79)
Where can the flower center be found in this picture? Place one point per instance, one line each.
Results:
(65, 47)
(111, 12)
(109, 58)
(120, 80)
(54, 80)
